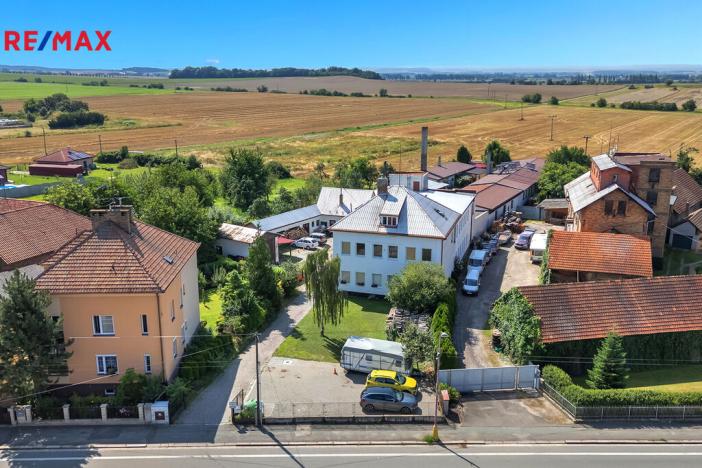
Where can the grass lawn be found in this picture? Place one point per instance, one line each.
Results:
(289, 184)
(15, 90)
(364, 317)
(675, 262)
(211, 310)
(669, 379)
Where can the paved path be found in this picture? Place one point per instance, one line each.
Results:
(211, 405)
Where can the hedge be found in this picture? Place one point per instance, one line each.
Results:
(579, 396)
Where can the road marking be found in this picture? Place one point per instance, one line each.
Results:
(354, 455)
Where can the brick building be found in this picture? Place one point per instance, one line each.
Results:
(627, 193)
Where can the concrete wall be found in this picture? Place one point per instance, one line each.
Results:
(233, 248)
(482, 220)
(191, 297)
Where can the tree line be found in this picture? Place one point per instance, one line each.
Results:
(214, 72)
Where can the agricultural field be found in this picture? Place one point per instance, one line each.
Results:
(207, 118)
(10, 90)
(630, 130)
(678, 93)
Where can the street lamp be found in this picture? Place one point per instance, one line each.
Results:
(435, 429)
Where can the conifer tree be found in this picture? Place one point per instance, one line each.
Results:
(609, 365)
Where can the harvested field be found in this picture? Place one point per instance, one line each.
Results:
(350, 84)
(658, 93)
(633, 130)
(205, 118)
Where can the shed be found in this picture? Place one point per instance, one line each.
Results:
(57, 170)
(235, 241)
(555, 210)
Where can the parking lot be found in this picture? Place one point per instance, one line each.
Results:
(297, 388)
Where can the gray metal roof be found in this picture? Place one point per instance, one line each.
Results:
(418, 215)
(362, 343)
(237, 233)
(604, 162)
(299, 215)
(582, 192)
(553, 203)
(31, 271)
(329, 202)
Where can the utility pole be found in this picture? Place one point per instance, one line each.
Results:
(100, 142)
(259, 419)
(521, 107)
(551, 137)
(176, 146)
(435, 429)
(505, 101)
(587, 137)
(43, 132)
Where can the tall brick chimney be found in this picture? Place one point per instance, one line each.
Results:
(382, 185)
(425, 142)
(121, 215)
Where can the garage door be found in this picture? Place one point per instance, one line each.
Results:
(681, 242)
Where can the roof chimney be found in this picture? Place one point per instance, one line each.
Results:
(341, 197)
(423, 157)
(120, 215)
(382, 185)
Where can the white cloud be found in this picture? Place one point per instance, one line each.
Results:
(212, 61)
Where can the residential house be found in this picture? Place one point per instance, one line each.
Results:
(65, 162)
(608, 198)
(332, 204)
(397, 226)
(128, 295)
(235, 241)
(685, 216)
(592, 256)
(449, 172)
(687, 234)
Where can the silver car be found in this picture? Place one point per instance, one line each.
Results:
(387, 399)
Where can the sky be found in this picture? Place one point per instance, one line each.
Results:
(368, 34)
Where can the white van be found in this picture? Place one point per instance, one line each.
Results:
(537, 247)
(362, 354)
(478, 259)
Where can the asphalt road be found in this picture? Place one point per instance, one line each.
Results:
(522, 456)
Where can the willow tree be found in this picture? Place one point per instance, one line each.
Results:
(321, 281)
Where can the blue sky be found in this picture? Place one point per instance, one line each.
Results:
(379, 34)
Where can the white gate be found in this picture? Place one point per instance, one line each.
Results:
(486, 379)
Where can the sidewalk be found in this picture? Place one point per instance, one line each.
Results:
(210, 408)
(195, 435)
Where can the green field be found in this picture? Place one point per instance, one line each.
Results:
(14, 90)
(211, 310)
(668, 378)
(364, 317)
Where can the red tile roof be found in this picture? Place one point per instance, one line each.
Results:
(687, 191)
(639, 306)
(494, 196)
(64, 155)
(448, 169)
(111, 260)
(30, 230)
(600, 252)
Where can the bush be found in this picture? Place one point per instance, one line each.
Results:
(655, 106)
(520, 328)
(276, 169)
(419, 287)
(689, 106)
(454, 394)
(579, 396)
(532, 98)
(287, 277)
(76, 119)
(554, 101)
(178, 393)
(130, 390)
(128, 163)
(601, 102)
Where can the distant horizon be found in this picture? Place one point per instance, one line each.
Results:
(501, 35)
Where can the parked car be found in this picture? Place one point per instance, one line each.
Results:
(477, 260)
(306, 243)
(392, 379)
(504, 237)
(319, 237)
(524, 239)
(472, 282)
(387, 399)
(493, 246)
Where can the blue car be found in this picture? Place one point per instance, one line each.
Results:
(524, 239)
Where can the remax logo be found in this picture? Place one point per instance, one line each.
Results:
(30, 40)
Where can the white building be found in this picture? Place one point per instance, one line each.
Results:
(332, 204)
(401, 225)
(235, 241)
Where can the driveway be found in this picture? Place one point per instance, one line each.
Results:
(210, 407)
(510, 409)
(508, 268)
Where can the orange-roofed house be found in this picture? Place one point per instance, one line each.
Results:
(128, 294)
(592, 256)
(65, 162)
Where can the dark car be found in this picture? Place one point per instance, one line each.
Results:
(387, 399)
(522, 242)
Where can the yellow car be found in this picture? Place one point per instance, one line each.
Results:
(392, 379)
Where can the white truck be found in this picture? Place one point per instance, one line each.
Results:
(537, 247)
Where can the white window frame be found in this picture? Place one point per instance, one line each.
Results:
(183, 327)
(342, 247)
(101, 331)
(175, 347)
(172, 310)
(147, 364)
(357, 276)
(348, 277)
(102, 357)
(380, 280)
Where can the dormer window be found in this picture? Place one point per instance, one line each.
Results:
(389, 221)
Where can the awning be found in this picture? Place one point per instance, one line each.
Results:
(280, 240)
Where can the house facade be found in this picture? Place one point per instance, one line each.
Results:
(235, 241)
(623, 193)
(128, 295)
(399, 226)
(64, 162)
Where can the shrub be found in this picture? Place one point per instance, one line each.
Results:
(419, 287)
(554, 101)
(532, 98)
(262, 89)
(520, 328)
(128, 163)
(454, 394)
(601, 102)
(276, 169)
(130, 390)
(76, 119)
(178, 392)
(655, 106)
(689, 106)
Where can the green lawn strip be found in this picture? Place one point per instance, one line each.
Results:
(289, 184)
(14, 90)
(364, 317)
(665, 379)
(211, 309)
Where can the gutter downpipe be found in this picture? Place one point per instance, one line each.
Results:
(160, 338)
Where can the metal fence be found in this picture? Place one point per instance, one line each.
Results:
(47, 413)
(593, 413)
(85, 412)
(5, 416)
(122, 412)
(288, 410)
(485, 379)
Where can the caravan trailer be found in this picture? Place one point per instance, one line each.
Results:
(362, 354)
